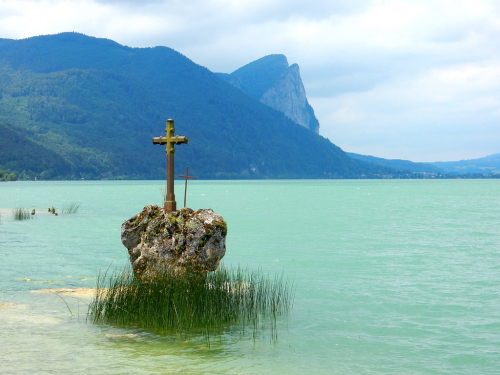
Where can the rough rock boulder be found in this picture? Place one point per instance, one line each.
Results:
(183, 238)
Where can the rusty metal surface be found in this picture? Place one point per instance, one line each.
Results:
(186, 186)
(170, 140)
(170, 204)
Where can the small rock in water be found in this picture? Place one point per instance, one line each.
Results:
(183, 238)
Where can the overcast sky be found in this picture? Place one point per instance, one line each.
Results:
(417, 80)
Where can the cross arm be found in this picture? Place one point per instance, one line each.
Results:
(178, 139)
(159, 140)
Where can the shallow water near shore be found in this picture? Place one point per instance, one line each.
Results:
(392, 277)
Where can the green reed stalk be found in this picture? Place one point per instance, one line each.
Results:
(21, 213)
(167, 301)
(72, 208)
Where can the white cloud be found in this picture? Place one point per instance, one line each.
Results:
(455, 109)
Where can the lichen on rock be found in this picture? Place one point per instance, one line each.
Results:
(182, 238)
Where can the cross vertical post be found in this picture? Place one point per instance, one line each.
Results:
(170, 140)
(186, 186)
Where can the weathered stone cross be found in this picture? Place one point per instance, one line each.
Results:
(186, 187)
(170, 140)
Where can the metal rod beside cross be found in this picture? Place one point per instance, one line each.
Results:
(170, 140)
(186, 186)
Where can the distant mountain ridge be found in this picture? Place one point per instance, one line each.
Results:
(402, 165)
(488, 165)
(273, 82)
(73, 106)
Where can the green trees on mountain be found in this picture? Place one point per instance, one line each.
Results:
(73, 107)
(7, 175)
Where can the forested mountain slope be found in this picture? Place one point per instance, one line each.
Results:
(89, 108)
(19, 153)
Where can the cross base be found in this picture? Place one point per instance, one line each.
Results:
(170, 203)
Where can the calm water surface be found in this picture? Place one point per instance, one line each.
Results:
(392, 277)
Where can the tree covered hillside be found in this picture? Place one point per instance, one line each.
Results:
(73, 106)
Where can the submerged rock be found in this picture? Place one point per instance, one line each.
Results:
(183, 238)
(7, 305)
(123, 337)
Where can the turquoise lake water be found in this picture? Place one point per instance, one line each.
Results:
(392, 277)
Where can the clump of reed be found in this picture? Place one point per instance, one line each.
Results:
(20, 213)
(166, 301)
(72, 208)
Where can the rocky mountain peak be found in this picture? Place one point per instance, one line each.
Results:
(273, 82)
